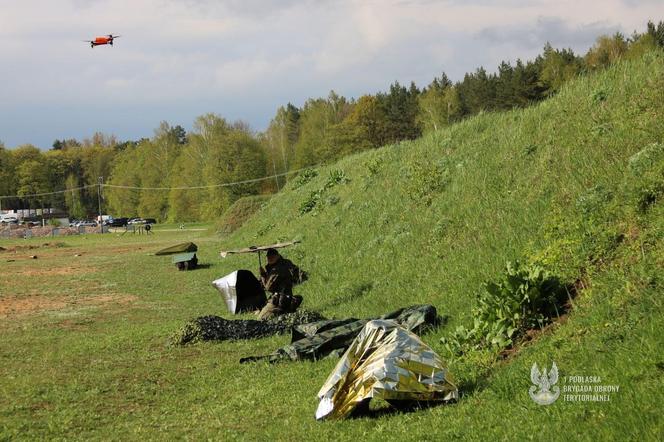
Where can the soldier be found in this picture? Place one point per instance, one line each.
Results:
(278, 278)
(279, 274)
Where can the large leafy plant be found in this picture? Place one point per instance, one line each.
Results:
(336, 176)
(525, 297)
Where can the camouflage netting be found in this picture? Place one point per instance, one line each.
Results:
(215, 328)
(289, 320)
(319, 339)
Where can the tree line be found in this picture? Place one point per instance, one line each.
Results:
(320, 131)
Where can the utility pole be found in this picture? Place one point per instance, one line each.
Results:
(100, 183)
(270, 138)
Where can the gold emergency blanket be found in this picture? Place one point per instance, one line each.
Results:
(385, 361)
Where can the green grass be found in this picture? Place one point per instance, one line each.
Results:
(419, 222)
(238, 213)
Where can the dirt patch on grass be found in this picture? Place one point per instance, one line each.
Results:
(46, 245)
(56, 271)
(123, 249)
(531, 336)
(10, 305)
(14, 306)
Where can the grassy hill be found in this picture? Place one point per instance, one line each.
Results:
(574, 183)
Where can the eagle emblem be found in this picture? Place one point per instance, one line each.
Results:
(544, 392)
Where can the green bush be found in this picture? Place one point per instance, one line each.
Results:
(337, 176)
(374, 166)
(525, 297)
(426, 179)
(310, 203)
(304, 177)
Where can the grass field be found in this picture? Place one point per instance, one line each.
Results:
(572, 183)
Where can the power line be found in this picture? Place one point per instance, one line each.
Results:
(118, 186)
(210, 186)
(49, 193)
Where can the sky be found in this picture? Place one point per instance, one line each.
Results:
(242, 59)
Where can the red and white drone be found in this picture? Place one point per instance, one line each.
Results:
(104, 40)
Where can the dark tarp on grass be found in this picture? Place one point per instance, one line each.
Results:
(215, 328)
(186, 247)
(319, 339)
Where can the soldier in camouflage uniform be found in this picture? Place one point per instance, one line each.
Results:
(278, 277)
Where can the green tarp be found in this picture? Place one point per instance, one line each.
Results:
(183, 257)
(322, 338)
(186, 247)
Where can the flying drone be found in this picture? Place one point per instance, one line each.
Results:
(103, 40)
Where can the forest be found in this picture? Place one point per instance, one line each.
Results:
(179, 176)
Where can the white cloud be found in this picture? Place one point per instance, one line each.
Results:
(244, 58)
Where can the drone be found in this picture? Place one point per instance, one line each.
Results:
(104, 40)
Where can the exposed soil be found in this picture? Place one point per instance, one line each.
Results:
(14, 306)
(46, 245)
(123, 249)
(56, 271)
(530, 336)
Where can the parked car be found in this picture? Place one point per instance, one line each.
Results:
(150, 221)
(118, 222)
(136, 221)
(8, 218)
(73, 222)
(86, 224)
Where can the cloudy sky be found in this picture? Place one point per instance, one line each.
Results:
(244, 58)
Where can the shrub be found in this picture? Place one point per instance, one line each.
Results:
(304, 177)
(337, 176)
(374, 166)
(525, 297)
(310, 203)
(427, 178)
